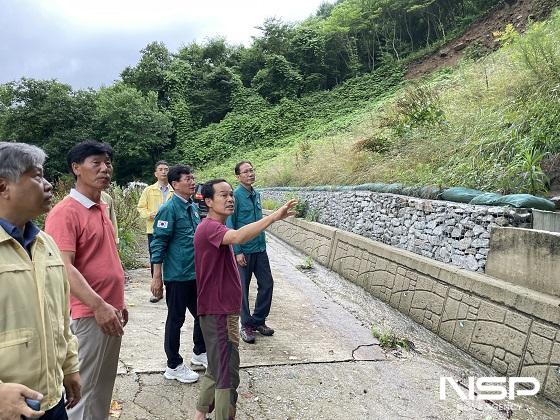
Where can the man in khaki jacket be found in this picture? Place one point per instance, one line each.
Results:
(151, 200)
(38, 352)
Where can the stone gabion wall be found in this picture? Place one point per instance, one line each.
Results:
(453, 233)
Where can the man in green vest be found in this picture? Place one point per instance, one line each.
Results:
(251, 257)
(173, 259)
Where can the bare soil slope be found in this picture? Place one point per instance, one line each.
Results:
(519, 13)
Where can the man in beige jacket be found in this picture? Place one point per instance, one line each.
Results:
(150, 201)
(38, 352)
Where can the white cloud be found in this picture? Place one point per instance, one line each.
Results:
(87, 43)
(233, 19)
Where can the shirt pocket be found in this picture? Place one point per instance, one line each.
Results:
(246, 213)
(16, 279)
(16, 337)
(184, 226)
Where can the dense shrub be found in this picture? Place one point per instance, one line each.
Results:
(241, 131)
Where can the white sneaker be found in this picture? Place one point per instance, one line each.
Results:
(200, 360)
(181, 373)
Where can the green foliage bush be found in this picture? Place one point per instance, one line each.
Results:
(269, 204)
(388, 340)
(129, 223)
(301, 208)
(272, 125)
(417, 106)
(540, 51)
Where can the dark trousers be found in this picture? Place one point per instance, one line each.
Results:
(150, 239)
(180, 296)
(258, 264)
(58, 412)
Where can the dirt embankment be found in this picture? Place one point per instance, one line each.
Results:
(519, 13)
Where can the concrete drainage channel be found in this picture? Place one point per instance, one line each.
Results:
(322, 363)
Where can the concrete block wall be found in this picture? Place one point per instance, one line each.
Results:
(546, 220)
(511, 328)
(526, 257)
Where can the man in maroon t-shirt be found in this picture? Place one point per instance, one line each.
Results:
(219, 296)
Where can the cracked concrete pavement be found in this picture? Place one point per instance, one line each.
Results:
(322, 363)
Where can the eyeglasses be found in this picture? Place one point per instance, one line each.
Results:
(248, 171)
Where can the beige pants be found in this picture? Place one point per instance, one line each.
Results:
(99, 357)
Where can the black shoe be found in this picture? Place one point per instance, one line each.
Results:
(265, 330)
(247, 334)
(155, 299)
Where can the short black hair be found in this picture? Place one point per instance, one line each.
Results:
(238, 166)
(160, 162)
(81, 151)
(207, 190)
(176, 171)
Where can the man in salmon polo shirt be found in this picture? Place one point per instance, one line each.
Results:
(85, 236)
(219, 296)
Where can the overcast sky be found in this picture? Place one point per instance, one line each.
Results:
(88, 43)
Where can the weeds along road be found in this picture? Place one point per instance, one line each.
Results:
(322, 363)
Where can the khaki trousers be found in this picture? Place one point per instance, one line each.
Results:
(99, 357)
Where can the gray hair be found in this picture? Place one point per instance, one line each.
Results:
(17, 158)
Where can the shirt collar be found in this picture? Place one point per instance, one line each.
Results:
(157, 185)
(247, 192)
(29, 234)
(82, 199)
(163, 188)
(189, 201)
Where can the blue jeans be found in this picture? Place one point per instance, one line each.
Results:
(258, 264)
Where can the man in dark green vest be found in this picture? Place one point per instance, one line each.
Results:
(251, 257)
(173, 259)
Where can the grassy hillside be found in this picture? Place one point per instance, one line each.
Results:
(492, 123)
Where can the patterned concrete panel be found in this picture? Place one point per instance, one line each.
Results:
(450, 309)
(405, 301)
(490, 312)
(538, 372)
(482, 352)
(513, 364)
(488, 337)
(538, 350)
(517, 321)
(552, 384)
(555, 356)
(512, 329)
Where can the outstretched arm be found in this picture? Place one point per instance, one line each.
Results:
(248, 232)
